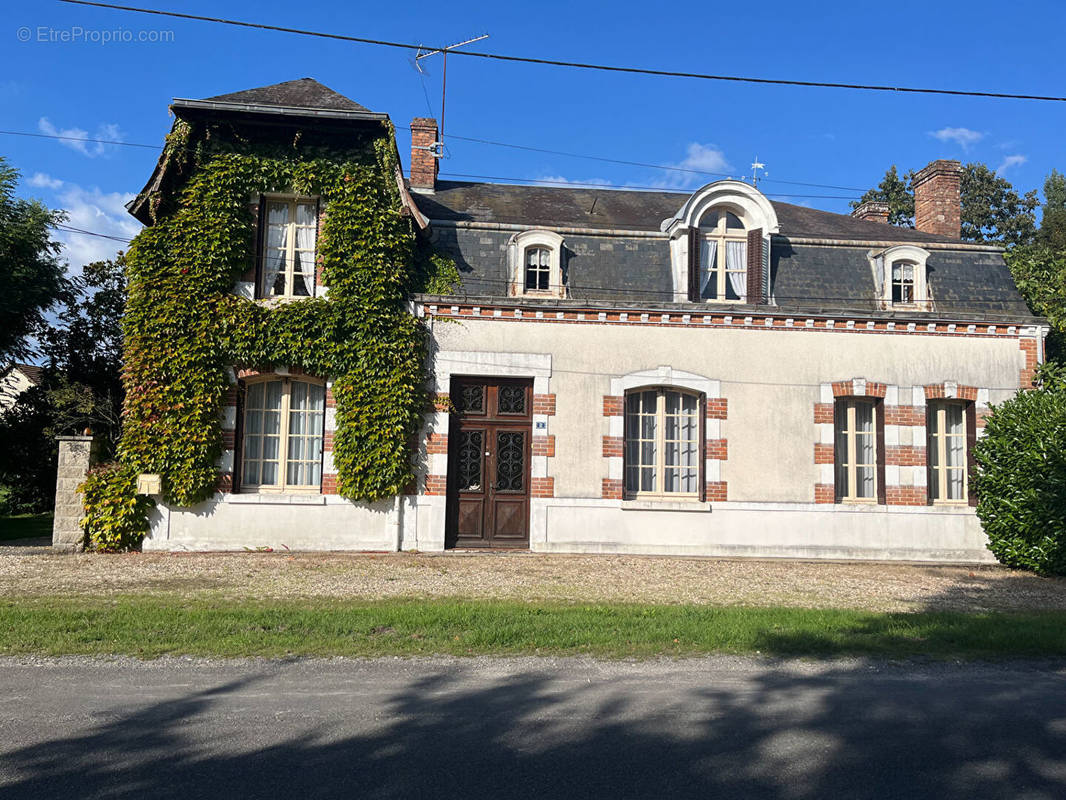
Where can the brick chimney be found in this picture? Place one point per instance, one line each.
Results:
(937, 199)
(872, 211)
(423, 160)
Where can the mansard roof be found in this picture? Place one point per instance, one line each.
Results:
(626, 209)
(300, 93)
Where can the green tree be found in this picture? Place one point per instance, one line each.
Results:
(897, 193)
(993, 211)
(1052, 231)
(1040, 273)
(31, 271)
(1021, 476)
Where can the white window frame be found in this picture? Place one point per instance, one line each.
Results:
(660, 492)
(938, 437)
(721, 234)
(882, 264)
(850, 433)
(262, 290)
(518, 249)
(282, 486)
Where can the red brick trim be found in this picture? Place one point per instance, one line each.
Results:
(437, 443)
(1025, 378)
(542, 487)
(904, 455)
(717, 408)
(904, 415)
(906, 496)
(936, 391)
(717, 491)
(611, 488)
(825, 493)
(823, 454)
(613, 406)
(612, 447)
(716, 449)
(436, 485)
(229, 439)
(327, 441)
(229, 397)
(544, 446)
(544, 404)
(847, 389)
(823, 412)
(331, 402)
(982, 414)
(329, 484)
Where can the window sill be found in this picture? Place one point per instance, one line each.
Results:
(276, 498)
(665, 505)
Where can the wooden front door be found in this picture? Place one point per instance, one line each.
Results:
(489, 449)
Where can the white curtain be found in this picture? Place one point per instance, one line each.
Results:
(736, 258)
(708, 266)
(305, 246)
(277, 228)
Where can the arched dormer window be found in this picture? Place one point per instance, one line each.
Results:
(713, 217)
(535, 261)
(900, 277)
(723, 257)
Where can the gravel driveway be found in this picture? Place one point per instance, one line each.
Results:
(525, 576)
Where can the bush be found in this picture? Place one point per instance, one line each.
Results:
(116, 517)
(1021, 476)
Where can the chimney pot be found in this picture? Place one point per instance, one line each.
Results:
(938, 199)
(872, 211)
(424, 163)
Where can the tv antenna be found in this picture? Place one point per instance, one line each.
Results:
(756, 165)
(438, 147)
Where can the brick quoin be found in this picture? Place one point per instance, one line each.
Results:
(716, 449)
(717, 408)
(906, 496)
(437, 443)
(717, 491)
(904, 455)
(611, 488)
(825, 493)
(330, 401)
(542, 487)
(1028, 346)
(823, 412)
(544, 404)
(612, 446)
(823, 454)
(982, 416)
(329, 484)
(229, 397)
(612, 406)
(436, 484)
(903, 415)
(229, 439)
(544, 446)
(327, 441)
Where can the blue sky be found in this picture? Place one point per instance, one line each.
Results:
(120, 90)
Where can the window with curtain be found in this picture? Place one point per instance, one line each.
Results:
(723, 257)
(856, 450)
(288, 257)
(281, 446)
(946, 452)
(538, 269)
(662, 443)
(903, 282)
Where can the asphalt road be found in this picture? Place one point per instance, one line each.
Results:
(529, 728)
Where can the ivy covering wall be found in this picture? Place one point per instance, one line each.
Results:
(184, 328)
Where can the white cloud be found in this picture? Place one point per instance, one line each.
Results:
(42, 181)
(963, 137)
(78, 139)
(549, 179)
(1011, 161)
(701, 159)
(91, 210)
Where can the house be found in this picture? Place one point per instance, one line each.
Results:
(708, 373)
(15, 380)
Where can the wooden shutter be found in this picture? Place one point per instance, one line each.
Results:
(625, 444)
(701, 407)
(839, 478)
(238, 436)
(755, 282)
(766, 242)
(930, 443)
(879, 426)
(971, 441)
(694, 265)
(259, 247)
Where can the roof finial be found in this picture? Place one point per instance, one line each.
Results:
(756, 165)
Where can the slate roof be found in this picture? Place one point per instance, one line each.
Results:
(33, 373)
(300, 93)
(624, 209)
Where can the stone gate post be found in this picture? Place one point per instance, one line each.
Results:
(75, 457)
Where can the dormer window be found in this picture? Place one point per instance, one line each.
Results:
(723, 264)
(287, 258)
(535, 260)
(900, 273)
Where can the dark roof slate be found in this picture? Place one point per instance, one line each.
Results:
(300, 93)
(625, 209)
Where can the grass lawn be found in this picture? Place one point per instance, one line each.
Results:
(147, 627)
(25, 526)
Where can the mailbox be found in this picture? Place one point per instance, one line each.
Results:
(148, 483)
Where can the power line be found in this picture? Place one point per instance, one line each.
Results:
(576, 64)
(70, 229)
